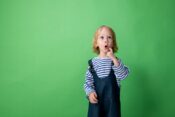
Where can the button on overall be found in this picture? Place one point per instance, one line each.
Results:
(108, 95)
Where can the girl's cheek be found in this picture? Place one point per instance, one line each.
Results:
(111, 45)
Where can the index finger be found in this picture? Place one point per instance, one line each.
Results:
(111, 49)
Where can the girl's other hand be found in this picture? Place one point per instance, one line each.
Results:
(93, 97)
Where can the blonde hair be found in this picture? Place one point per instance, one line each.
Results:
(96, 48)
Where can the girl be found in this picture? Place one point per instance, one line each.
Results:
(102, 82)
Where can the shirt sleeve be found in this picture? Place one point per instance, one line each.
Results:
(121, 71)
(89, 82)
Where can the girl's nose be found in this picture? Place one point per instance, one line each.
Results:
(106, 40)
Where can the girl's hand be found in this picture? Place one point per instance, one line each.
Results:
(110, 54)
(93, 98)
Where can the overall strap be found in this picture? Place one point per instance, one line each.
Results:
(90, 63)
(91, 69)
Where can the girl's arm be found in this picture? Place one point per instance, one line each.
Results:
(89, 82)
(121, 71)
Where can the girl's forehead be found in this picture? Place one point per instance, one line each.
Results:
(105, 31)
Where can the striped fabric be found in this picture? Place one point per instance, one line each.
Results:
(102, 66)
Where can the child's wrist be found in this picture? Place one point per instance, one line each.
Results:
(115, 61)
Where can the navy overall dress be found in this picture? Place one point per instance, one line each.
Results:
(108, 95)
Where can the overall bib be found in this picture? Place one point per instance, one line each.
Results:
(108, 95)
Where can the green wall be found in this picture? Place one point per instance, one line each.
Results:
(45, 46)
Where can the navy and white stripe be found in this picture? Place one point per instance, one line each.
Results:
(102, 66)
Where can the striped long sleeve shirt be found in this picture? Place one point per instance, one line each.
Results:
(102, 67)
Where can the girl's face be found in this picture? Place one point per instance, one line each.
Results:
(104, 40)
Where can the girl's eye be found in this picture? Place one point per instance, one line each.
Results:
(110, 37)
(102, 37)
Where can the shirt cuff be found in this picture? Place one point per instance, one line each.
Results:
(89, 91)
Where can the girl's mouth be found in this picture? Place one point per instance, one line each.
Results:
(106, 47)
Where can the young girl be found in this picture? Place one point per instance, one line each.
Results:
(102, 82)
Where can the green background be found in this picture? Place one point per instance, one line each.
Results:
(45, 46)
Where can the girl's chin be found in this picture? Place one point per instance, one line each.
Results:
(105, 51)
